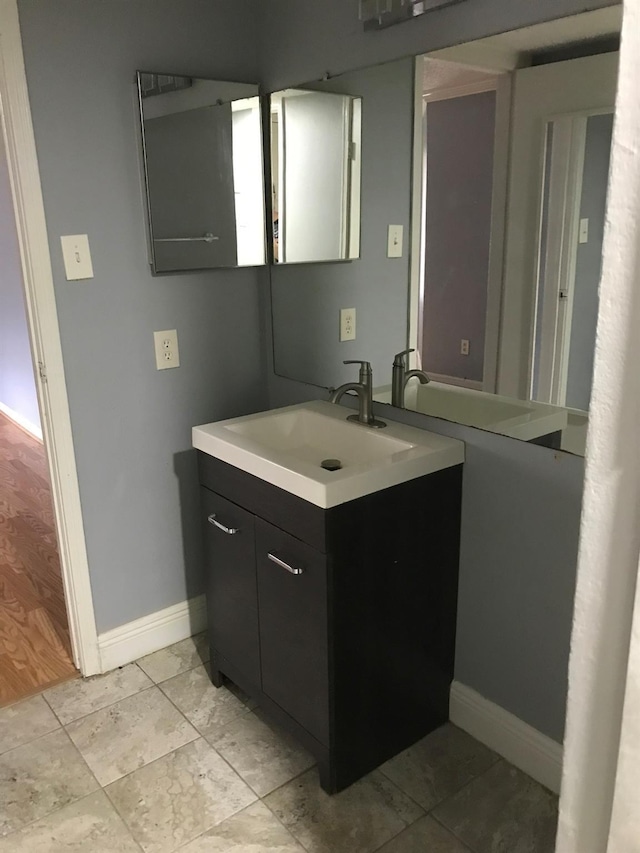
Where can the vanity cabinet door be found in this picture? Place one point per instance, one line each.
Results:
(232, 601)
(292, 591)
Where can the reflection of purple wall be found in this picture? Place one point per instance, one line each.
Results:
(17, 385)
(460, 138)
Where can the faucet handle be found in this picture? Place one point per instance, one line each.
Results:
(365, 368)
(398, 359)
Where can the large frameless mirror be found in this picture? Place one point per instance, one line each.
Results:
(203, 165)
(492, 159)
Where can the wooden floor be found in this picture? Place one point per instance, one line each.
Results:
(35, 651)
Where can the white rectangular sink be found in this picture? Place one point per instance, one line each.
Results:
(286, 447)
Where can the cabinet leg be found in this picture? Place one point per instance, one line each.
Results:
(326, 776)
(217, 678)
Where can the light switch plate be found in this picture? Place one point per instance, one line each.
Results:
(77, 257)
(394, 241)
(166, 347)
(584, 231)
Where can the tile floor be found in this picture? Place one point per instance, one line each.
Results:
(152, 757)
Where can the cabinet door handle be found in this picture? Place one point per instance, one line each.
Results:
(282, 564)
(230, 530)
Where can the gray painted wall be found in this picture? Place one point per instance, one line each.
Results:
(132, 424)
(307, 298)
(304, 41)
(17, 385)
(521, 503)
(593, 202)
(460, 141)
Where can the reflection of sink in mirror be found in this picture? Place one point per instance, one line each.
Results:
(521, 419)
(497, 151)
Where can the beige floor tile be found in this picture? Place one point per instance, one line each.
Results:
(25, 721)
(425, 836)
(39, 777)
(90, 825)
(209, 708)
(75, 699)
(254, 830)
(503, 810)
(179, 796)
(439, 765)
(262, 753)
(123, 737)
(358, 820)
(175, 659)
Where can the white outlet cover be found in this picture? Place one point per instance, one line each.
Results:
(347, 324)
(166, 349)
(76, 256)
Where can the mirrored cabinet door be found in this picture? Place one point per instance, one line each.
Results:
(203, 163)
(315, 176)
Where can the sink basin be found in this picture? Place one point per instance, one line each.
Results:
(286, 447)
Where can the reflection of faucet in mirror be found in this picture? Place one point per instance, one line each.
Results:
(364, 389)
(401, 376)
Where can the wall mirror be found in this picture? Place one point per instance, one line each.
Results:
(315, 176)
(203, 168)
(493, 157)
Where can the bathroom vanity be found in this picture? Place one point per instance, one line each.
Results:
(332, 594)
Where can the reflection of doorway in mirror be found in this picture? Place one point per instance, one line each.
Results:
(462, 170)
(577, 153)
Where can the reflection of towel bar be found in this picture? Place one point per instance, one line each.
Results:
(206, 238)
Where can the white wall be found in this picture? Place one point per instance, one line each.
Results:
(602, 736)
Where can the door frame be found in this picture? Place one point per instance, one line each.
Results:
(44, 333)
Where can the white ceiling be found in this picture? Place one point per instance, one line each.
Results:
(509, 50)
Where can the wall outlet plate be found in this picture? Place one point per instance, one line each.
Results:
(166, 347)
(347, 324)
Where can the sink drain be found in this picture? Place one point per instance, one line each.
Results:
(331, 464)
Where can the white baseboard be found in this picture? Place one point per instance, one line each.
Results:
(151, 633)
(513, 739)
(33, 429)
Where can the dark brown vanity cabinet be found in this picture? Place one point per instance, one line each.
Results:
(339, 622)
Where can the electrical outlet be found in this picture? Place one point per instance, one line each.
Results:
(464, 347)
(166, 347)
(347, 324)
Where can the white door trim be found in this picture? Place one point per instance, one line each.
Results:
(45, 339)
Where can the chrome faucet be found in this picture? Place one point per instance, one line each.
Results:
(364, 389)
(401, 376)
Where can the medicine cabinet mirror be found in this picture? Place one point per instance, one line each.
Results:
(315, 176)
(203, 168)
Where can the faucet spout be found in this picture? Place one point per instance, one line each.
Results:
(401, 376)
(364, 389)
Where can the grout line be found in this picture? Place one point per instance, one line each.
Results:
(452, 832)
(110, 705)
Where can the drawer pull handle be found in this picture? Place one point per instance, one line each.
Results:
(230, 530)
(282, 564)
